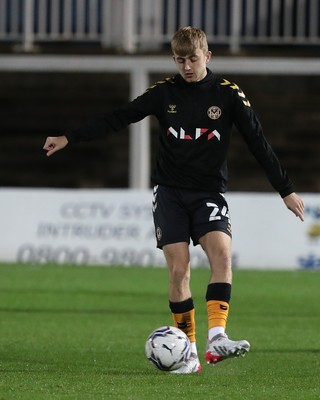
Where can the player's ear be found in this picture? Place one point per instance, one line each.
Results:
(208, 56)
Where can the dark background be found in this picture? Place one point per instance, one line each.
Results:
(36, 105)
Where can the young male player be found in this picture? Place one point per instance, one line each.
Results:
(196, 111)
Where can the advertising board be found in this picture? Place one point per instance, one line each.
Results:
(115, 227)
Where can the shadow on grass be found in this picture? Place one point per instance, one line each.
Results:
(94, 292)
(287, 351)
(80, 311)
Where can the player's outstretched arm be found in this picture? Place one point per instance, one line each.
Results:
(54, 144)
(295, 204)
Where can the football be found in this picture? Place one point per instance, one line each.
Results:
(167, 348)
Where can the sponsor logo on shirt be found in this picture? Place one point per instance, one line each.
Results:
(199, 132)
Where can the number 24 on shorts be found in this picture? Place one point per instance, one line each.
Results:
(216, 214)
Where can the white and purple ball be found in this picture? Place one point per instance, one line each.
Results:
(167, 348)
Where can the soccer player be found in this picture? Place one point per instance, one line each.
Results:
(196, 111)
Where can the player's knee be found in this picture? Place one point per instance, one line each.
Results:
(180, 274)
(221, 260)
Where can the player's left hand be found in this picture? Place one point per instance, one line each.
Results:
(295, 204)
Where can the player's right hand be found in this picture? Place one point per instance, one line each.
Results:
(53, 144)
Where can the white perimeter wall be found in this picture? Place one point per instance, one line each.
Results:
(112, 227)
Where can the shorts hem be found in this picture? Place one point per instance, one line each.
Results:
(160, 245)
(218, 229)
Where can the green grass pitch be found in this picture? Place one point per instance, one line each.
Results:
(79, 333)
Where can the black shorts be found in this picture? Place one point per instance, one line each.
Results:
(181, 214)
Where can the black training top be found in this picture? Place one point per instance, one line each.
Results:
(195, 131)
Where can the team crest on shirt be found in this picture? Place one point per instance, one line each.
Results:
(214, 112)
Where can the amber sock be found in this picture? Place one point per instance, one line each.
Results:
(218, 298)
(184, 318)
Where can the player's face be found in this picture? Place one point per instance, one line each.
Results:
(193, 67)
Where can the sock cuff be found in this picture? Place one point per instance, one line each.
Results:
(181, 306)
(219, 291)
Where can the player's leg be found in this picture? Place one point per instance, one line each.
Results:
(178, 261)
(217, 246)
(172, 233)
(180, 298)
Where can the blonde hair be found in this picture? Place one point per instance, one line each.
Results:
(187, 39)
